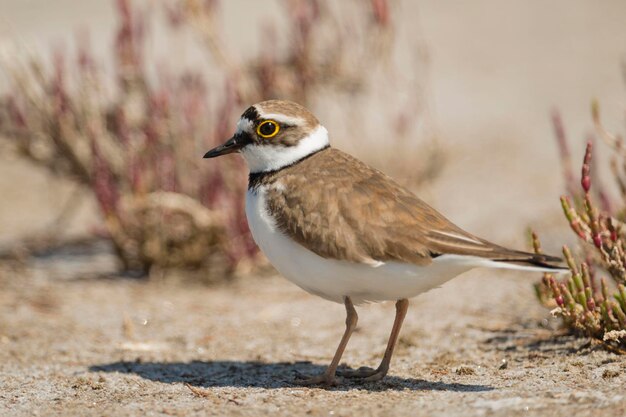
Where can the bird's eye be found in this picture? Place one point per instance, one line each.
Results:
(268, 129)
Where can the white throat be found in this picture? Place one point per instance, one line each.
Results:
(262, 158)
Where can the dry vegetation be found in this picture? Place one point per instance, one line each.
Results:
(135, 136)
(587, 302)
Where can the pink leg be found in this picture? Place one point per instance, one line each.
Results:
(369, 374)
(329, 376)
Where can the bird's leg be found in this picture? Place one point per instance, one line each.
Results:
(369, 374)
(328, 377)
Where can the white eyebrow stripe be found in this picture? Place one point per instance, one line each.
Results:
(244, 125)
(460, 237)
(281, 118)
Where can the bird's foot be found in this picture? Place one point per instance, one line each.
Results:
(376, 376)
(326, 379)
(364, 373)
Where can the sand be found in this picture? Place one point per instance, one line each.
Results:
(84, 344)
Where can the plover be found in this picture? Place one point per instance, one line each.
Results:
(344, 231)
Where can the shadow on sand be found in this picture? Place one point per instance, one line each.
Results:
(264, 375)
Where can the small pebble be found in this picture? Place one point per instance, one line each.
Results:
(465, 370)
(610, 373)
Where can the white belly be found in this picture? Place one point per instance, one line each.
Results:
(333, 279)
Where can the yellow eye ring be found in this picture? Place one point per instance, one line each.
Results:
(268, 129)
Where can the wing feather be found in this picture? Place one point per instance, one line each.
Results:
(340, 208)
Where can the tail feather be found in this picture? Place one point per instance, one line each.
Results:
(530, 262)
(485, 253)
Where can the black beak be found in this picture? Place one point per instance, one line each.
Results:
(231, 145)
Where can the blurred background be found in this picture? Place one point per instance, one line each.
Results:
(107, 106)
(454, 99)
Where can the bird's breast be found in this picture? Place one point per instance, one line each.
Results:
(333, 279)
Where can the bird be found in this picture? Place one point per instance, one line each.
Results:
(346, 232)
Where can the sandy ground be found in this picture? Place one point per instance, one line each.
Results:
(81, 344)
(77, 340)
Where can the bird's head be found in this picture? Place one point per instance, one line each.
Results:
(273, 134)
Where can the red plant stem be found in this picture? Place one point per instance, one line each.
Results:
(381, 12)
(564, 152)
(585, 180)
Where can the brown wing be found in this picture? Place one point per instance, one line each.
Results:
(340, 208)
